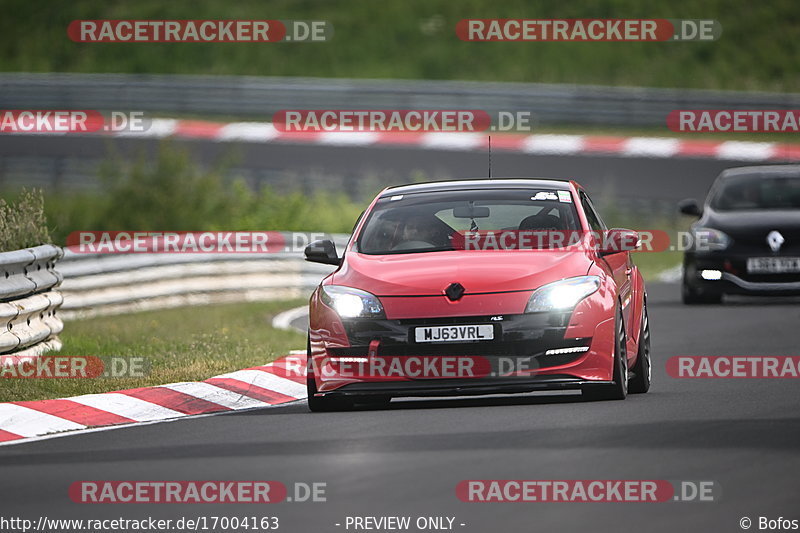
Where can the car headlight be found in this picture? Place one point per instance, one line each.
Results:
(709, 239)
(351, 303)
(563, 294)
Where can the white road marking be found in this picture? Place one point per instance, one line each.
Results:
(127, 406)
(650, 147)
(453, 140)
(553, 144)
(750, 151)
(248, 131)
(348, 138)
(27, 422)
(217, 395)
(269, 381)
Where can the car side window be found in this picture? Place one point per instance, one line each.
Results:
(594, 219)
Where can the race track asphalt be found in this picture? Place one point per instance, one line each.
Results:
(352, 168)
(406, 460)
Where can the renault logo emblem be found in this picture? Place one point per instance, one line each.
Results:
(454, 291)
(775, 240)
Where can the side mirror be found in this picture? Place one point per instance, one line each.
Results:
(322, 252)
(690, 207)
(618, 240)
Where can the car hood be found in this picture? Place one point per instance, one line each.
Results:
(428, 274)
(748, 226)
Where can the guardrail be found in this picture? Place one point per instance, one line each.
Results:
(256, 98)
(108, 284)
(29, 324)
(32, 310)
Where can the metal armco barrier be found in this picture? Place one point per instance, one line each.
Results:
(108, 284)
(31, 310)
(257, 98)
(29, 324)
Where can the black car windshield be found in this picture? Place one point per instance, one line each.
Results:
(438, 221)
(750, 192)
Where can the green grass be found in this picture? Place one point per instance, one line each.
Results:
(22, 221)
(651, 264)
(170, 192)
(415, 39)
(184, 344)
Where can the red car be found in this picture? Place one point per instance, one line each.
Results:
(478, 287)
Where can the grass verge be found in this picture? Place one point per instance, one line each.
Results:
(22, 221)
(416, 39)
(184, 344)
(171, 192)
(651, 264)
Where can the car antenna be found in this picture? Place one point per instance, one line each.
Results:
(490, 157)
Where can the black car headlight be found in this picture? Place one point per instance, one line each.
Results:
(709, 240)
(351, 303)
(562, 295)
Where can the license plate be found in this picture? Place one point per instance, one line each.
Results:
(483, 332)
(773, 265)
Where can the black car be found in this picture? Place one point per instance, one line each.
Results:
(747, 240)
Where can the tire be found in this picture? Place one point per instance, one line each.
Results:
(692, 296)
(618, 389)
(321, 404)
(643, 368)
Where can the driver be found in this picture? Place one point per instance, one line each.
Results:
(419, 229)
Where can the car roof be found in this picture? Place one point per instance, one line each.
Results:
(478, 184)
(762, 171)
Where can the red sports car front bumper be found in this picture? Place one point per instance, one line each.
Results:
(538, 351)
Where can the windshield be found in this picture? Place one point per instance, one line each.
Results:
(429, 222)
(757, 192)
